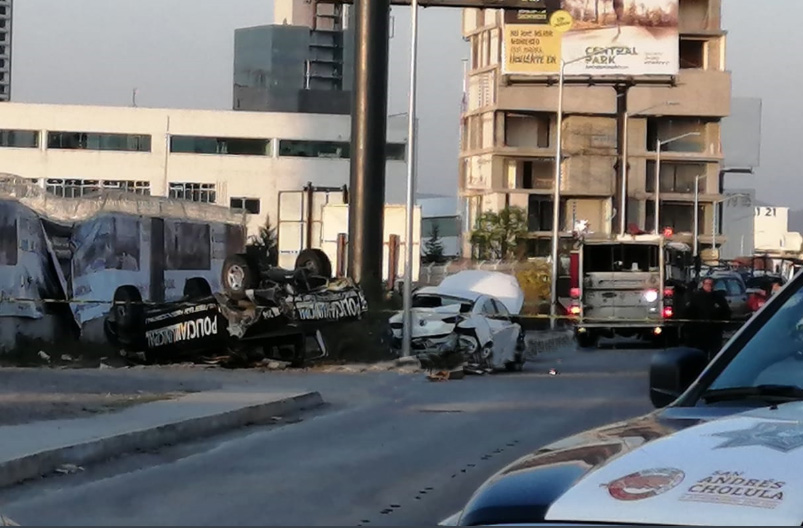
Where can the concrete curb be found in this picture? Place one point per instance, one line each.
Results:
(46, 462)
(548, 342)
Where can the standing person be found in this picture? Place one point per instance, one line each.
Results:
(707, 311)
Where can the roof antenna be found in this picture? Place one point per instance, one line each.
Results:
(134, 97)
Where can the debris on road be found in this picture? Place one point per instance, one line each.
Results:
(268, 364)
(446, 375)
(69, 469)
(384, 366)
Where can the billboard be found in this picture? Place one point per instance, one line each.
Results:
(594, 37)
(741, 133)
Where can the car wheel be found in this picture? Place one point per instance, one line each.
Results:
(487, 356)
(197, 288)
(126, 320)
(237, 276)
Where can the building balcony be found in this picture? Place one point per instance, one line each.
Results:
(541, 97)
(697, 16)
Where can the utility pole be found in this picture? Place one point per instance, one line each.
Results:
(368, 145)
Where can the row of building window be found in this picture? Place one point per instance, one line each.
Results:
(74, 188)
(193, 192)
(189, 144)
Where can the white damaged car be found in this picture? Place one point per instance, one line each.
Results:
(471, 311)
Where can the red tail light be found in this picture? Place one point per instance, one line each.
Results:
(669, 292)
(668, 312)
(574, 293)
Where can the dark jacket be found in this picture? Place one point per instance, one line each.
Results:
(707, 313)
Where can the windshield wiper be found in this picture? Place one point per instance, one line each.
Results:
(763, 392)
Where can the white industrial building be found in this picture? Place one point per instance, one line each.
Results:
(752, 227)
(772, 233)
(237, 159)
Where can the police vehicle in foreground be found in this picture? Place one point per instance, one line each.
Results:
(724, 447)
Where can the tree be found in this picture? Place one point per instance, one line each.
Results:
(498, 235)
(433, 248)
(268, 240)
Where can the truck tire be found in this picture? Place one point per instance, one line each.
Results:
(237, 276)
(316, 262)
(587, 339)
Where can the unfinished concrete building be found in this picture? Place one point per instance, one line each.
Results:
(5, 49)
(508, 148)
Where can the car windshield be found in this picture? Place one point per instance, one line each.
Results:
(774, 355)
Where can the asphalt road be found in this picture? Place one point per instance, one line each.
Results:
(389, 449)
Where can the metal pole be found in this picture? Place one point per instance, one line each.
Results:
(368, 145)
(553, 309)
(407, 331)
(696, 213)
(623, 200)
(657, 185)
(714, 226)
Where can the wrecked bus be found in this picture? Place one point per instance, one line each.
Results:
(71, 258)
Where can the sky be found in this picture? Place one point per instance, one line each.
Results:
(179, 53)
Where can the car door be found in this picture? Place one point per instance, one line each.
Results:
(508, 334)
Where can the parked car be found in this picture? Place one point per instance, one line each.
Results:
(723, 447)
(731, 285)
(473, 311)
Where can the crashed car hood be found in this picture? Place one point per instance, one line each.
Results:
(677, 467)
(495, 284)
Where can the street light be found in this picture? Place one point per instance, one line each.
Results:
(623, 199)
(658, 144)
(553, 310)
(412, 121)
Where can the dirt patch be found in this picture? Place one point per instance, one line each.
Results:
(28, 395)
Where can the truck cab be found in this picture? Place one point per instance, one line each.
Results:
(627, 286)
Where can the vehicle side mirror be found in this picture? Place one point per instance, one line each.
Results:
(673, 371)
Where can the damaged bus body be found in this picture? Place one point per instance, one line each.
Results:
(74, 257)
